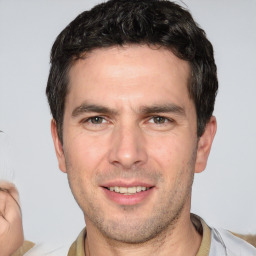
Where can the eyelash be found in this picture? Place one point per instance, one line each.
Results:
(89, 120)
(166, 120)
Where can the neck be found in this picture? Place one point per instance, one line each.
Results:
(180, 239)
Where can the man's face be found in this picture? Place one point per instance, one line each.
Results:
(129, 141)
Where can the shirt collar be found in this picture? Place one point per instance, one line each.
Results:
(77, 248)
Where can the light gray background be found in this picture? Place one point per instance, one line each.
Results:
(224, 194)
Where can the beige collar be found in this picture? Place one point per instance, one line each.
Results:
(77, 248)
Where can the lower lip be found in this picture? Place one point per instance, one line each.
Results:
(128, 199)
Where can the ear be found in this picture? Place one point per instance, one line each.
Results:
(204, 145)
(58, 147)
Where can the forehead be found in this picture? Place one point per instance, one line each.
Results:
(128, 73)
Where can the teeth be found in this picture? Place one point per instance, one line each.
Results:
(129, 190)
(132, 190)
(138, 189)
(123, 190)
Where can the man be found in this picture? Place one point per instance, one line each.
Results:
(131, 89)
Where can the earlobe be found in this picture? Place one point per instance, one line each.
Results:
(58, 146)
(204, 145)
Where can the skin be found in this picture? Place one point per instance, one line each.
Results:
(129, 120)
(11, 231)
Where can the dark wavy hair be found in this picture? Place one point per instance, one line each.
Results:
(121, 22)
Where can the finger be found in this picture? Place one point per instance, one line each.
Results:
(3, 200)
(9, 209)
(11, 231)
(4, 226)
(10, 188)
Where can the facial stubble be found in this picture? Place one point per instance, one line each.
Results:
(131, 228)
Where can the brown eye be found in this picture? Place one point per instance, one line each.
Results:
(96, 120)
(159, 120)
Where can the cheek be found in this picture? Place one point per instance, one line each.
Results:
(84, 154)
(171, 154)
(170, 151)
(82, 160)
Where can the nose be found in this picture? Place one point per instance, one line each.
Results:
(128, 147)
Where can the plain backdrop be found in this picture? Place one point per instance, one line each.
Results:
(224, 195)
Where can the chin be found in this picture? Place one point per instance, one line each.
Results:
(136, 231)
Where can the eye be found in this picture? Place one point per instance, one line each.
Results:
(96, 120)
(95, 123)
(159, 120)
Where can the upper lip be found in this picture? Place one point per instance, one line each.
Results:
(123, 183)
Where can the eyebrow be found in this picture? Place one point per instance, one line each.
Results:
(84, 108)
(166, 108)
(145, 110)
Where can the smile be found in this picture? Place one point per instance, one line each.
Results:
(128, 190)
(124, 194)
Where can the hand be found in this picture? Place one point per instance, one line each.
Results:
(11, 231)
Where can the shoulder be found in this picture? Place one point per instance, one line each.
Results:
(47, 249)
(230, 244)
(27, 245)
(51, 249)
(77, 248)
